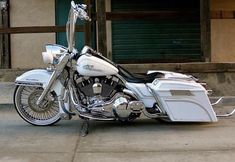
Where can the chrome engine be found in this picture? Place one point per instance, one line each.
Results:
(104, 97)
(119, 106)
(93, 86)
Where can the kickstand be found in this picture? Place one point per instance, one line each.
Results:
(85, 127)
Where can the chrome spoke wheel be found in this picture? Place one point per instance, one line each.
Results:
(25, 99)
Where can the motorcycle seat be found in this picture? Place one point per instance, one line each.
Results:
(138, 78)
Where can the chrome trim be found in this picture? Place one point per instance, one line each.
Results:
(209, 92)
(97, 88)
(61, 99)
(120, 107)
(222, 115)
(77, 105)
(70, 29)
(76, 11)
(117, 106)
(227, 115)
(181, 93)
(218, 101)
(136, 106)
(95, 118)
(33, 84)
(157, 115)
(108, 103)
(131, 93)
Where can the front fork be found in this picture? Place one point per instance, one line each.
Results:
(58, 69)
(48, 87)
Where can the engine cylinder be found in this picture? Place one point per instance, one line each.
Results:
(97, 88)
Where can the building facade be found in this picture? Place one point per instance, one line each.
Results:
(128, 32)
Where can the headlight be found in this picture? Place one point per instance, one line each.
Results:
(53, 53)
(48, 57)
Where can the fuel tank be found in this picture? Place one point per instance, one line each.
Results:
(89, 65)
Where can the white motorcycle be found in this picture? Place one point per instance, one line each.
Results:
(91, 86)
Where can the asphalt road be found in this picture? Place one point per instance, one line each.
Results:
(143, 140)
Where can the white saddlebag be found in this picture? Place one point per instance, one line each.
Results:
(183, 101)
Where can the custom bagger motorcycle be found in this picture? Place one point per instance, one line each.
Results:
(87, 84)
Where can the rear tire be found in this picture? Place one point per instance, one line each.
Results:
(47, 113)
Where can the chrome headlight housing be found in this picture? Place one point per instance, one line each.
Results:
(53, 53)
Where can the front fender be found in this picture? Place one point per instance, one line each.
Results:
(39, 78)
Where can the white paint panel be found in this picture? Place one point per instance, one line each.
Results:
(89, 65)
(186, 110)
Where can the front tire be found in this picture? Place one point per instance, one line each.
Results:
(25, 98)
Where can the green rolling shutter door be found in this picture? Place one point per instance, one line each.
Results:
(170, 40)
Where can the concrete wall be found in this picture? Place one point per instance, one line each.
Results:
(223, 33)
(26, 49)
(219, 77)
(221, 83)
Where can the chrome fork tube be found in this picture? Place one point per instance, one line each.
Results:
(71, 28)
(55, 74)
(46, 90)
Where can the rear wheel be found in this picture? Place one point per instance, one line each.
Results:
(25, 98)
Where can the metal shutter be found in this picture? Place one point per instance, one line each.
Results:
(170, 40)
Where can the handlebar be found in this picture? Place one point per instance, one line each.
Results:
(79, 10)
(76, 11)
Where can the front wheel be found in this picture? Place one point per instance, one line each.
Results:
(25, 98)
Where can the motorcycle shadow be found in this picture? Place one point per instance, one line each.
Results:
(147, 125)
(140, 125)
(106, 129)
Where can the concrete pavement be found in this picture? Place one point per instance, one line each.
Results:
(6, 92)
(143, 140)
